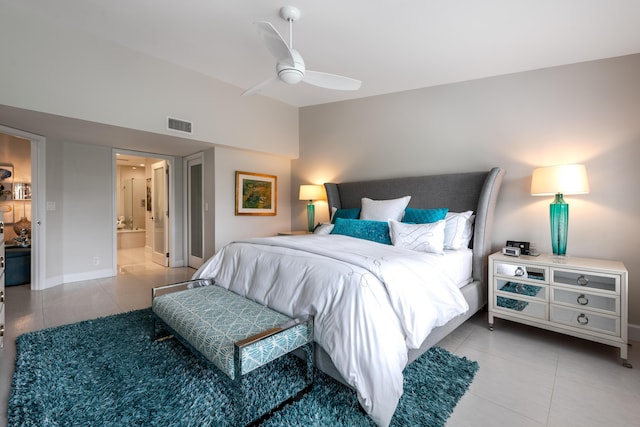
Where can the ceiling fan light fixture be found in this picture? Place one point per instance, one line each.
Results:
(290, 75)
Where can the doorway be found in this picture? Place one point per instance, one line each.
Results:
(194, 166)
(140, 190)
(15, 203)
(159, 213)
(23, 155)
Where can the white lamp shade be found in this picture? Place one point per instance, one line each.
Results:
(563, 179)
(311, 192)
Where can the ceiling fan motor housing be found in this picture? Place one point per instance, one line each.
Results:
(291, 74)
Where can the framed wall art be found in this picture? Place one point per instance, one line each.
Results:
(256, 194)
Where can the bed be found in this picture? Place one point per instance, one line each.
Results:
(377, 307)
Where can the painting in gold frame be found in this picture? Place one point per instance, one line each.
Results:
(256, 194)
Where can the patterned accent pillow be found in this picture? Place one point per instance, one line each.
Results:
(383, 210)
(423, 216)
(427, 237)
(459, 229)
(353, 213)
(376, 231)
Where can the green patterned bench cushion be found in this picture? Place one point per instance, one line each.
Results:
(212, 319)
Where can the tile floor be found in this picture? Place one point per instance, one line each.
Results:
(527, 377)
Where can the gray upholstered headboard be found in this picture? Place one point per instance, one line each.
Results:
(476, 191)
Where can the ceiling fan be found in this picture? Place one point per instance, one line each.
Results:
(290, 66)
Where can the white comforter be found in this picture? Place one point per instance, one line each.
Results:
(371, 302)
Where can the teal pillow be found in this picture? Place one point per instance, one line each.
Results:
(353, 213)
(424, 216)
(376, 231)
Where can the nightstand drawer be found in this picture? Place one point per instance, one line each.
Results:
(519, 306)
(513, 288)
(583, 280)
(522, 271)
(586, 320)
(585, 300)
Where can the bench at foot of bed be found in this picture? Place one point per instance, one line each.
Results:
(233, 333)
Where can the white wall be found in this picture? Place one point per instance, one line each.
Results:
(87, 215)
(583, 113)
(55, 233)
(60, 71)
(228, 226)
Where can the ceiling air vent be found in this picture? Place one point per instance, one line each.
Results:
(179, 125)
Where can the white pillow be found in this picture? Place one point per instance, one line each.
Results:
(458, 230)
(383, 210)
(324, 228)
(427, 237)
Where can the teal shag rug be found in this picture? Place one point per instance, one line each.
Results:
(109, 372)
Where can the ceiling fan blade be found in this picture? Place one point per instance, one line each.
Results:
(331, 81)
(274, 42)
(259, 86)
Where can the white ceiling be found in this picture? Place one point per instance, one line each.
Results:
(390, 45)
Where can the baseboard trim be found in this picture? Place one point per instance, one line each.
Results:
(88, 275)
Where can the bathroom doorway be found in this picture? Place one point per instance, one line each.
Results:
(135, 225)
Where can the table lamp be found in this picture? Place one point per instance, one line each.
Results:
(559, 180)
(311, 193)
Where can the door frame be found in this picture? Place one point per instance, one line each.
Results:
(38, 203)
(199, 157)
(161, 258)
(174, 222)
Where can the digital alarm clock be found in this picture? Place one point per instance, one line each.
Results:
(511, 251)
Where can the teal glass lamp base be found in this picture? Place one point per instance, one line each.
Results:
(559, 216)
(311, 211)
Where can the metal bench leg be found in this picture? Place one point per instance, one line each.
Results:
(238, 395)
(308, 349)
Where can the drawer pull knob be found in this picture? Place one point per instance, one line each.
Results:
(1, 330)
(519, 272)
(1, 262)
(1, 296)
(582, 299)
(582, 280)
(582, 319)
